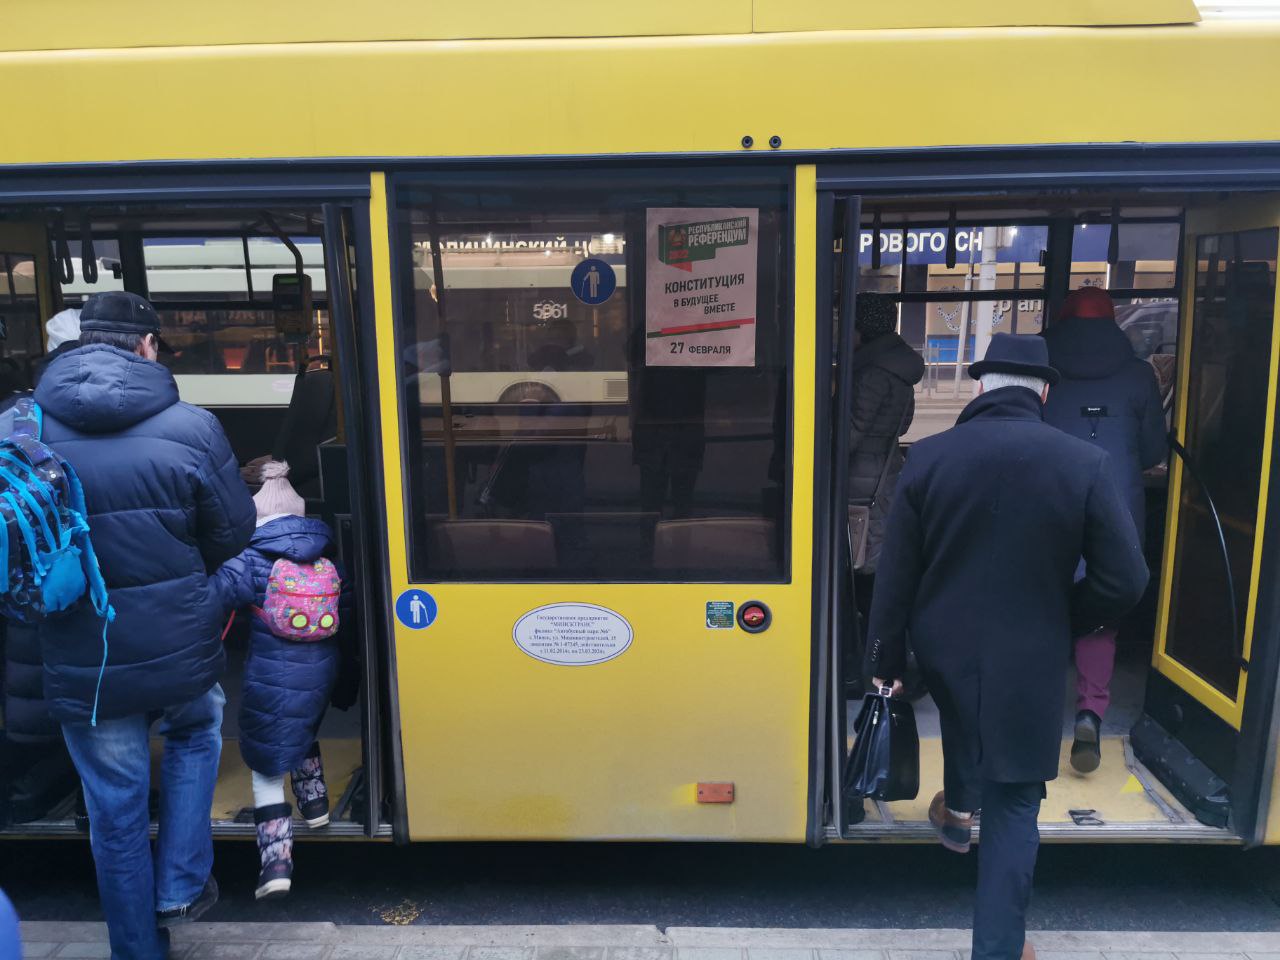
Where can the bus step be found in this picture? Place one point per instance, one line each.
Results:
(1197, 787)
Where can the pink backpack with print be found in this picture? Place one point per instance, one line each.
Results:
(301, 601)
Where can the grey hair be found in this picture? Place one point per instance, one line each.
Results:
(994, 381)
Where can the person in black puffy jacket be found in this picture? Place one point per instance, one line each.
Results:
(287, 682)
(1111, 399)
(885, 372)
(166, 505)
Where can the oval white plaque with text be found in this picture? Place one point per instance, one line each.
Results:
(572, 634)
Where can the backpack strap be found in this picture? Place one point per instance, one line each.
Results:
(80, 536)
(42, 511)
(28, 419)
(28, 535)
(4, 555)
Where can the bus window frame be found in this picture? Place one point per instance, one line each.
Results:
(684, 175)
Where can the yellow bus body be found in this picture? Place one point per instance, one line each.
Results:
(138, 81)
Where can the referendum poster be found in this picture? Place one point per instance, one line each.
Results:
(700, 286)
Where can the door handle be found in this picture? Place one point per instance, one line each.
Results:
(1236, 637)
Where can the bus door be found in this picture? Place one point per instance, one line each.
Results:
(599, 483)
(1209, 686)
(26, 300)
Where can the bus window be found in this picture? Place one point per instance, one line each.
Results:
(21, 340)
(1143, 281)
(107, 258)
(214, 298)
(593, 432)
(946, 313)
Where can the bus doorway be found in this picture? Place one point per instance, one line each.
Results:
(259, 314)
(1194, 287)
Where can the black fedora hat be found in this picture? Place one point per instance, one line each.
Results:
(1024, 355)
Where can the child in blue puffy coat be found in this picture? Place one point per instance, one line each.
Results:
(287, 683)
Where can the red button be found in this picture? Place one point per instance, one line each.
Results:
(753, 616)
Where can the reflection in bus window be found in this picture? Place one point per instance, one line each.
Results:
(21, 340)
(595, 378)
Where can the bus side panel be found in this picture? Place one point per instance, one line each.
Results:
(528, 98)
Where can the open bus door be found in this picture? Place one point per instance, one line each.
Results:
(1210, 694)
(26, 300)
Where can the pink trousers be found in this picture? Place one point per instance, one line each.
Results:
(1095, 663)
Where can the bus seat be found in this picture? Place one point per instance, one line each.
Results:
(491, 546)
(715, 545)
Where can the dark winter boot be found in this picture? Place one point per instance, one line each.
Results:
(275, 847)
(310, 791)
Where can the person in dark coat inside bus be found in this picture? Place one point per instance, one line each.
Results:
(978, 573)
(882, 403)
(1110, 398)
(885, 372)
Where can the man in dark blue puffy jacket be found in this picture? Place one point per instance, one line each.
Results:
(166, 505)
(1110, 398)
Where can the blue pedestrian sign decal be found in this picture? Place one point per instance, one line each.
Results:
(593, 281)
(416, 609)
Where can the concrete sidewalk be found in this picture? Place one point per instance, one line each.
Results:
(327, 941)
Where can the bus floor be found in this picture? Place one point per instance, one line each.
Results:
(340, 751)
(232, 812)
(1120, 801)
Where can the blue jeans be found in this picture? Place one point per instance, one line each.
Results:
(114, 762)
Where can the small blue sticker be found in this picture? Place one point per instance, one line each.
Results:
(593, 281)
(416, 609)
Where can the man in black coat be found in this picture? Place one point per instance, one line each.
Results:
(166, 506)
(983, 541)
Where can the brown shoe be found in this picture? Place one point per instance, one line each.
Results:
(956, 833)
(1028, 951)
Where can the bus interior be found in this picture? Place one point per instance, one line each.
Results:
(961, 268)
(245, 297)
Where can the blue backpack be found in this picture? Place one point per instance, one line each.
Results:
(47, 563)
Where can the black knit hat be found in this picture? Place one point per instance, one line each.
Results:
(875, 315)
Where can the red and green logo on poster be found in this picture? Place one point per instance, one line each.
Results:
(680, 245)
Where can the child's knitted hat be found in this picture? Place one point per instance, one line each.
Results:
(277, 496)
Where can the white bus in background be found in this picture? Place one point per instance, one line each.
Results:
(521, 305)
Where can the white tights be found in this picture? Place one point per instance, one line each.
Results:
(267, 790)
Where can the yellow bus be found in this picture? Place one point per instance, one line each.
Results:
(619, 610)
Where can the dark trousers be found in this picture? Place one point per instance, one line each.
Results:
(957, 700)
(1008, 843)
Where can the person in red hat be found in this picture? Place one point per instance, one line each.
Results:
(1110, 398)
